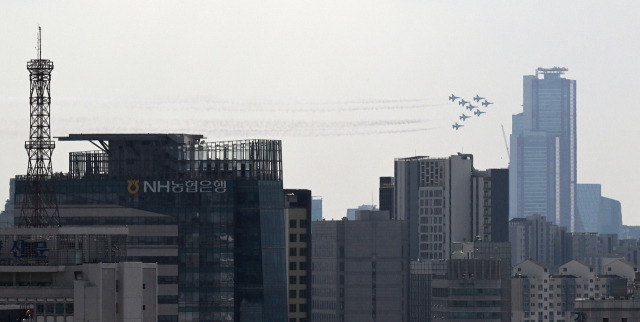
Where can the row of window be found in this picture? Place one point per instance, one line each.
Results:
(297, 307)
(297, 237)
(298, 251)
(293, 294)
(302, 223)
(294, 266)
(298, 280)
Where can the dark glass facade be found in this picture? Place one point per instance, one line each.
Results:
(225, 199)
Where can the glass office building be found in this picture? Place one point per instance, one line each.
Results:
(210, 214)
(542, 170)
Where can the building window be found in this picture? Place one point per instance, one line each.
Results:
(292, 307)
(293, 238)
(292, 280)
(292, 266)
(292, 252)
(292, 294)
(303, 223)
(292, 223)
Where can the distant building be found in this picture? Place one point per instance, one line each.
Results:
(445, 200)
(598, 310)
(536, 238)
(542, 170)
(471, 290)
(630, 250)
(386, 195)
(351, 212)
(473, 265)
(360, 269)
(316, 208)
(629, 232)
(7, 215)
(76, 274)
(597, 213)
(298, 217)
(539, 295)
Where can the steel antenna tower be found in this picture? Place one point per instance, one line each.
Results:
(39, 203)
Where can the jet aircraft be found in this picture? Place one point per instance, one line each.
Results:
(463, 102)
(478, 98)
(486, 103)
(453, 98)
(479, 112)
(456, 126)
(471, 107)
(464, 117)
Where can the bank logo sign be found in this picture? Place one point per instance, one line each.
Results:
(188, 186)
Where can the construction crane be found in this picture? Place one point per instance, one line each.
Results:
(504, 136)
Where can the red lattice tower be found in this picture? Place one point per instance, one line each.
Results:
(39, 203)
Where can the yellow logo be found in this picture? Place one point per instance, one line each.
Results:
(133, 186)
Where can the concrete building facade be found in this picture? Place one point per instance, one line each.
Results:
(445, 200)
(535, 238)
(539, 295)
(360, 269)
(298, 215)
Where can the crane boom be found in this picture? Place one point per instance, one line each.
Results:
(506, 145)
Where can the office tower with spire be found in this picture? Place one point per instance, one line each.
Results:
(542, 171)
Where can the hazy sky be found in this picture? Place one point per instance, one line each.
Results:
(347, 85)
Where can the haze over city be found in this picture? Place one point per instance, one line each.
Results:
(347, 86)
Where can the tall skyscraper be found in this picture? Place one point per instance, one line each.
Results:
(543, 149)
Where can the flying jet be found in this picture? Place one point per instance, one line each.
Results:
(471, 107)
(479, 112)
(463, 102)
(486, 103)
(464, 117)
(456, 126)
(478, 98)
(453, 98)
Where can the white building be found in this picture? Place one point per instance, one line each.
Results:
(89, 292)
(539, 295)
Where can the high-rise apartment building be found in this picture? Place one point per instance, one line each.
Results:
(445, 200)
(210, 214)
(360, 269)
(542, 170)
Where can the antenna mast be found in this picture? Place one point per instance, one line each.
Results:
(39, 202)
(39, 43)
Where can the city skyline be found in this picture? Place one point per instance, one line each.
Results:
(238, 65)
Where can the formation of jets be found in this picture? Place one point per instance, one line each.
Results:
(467, 104)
